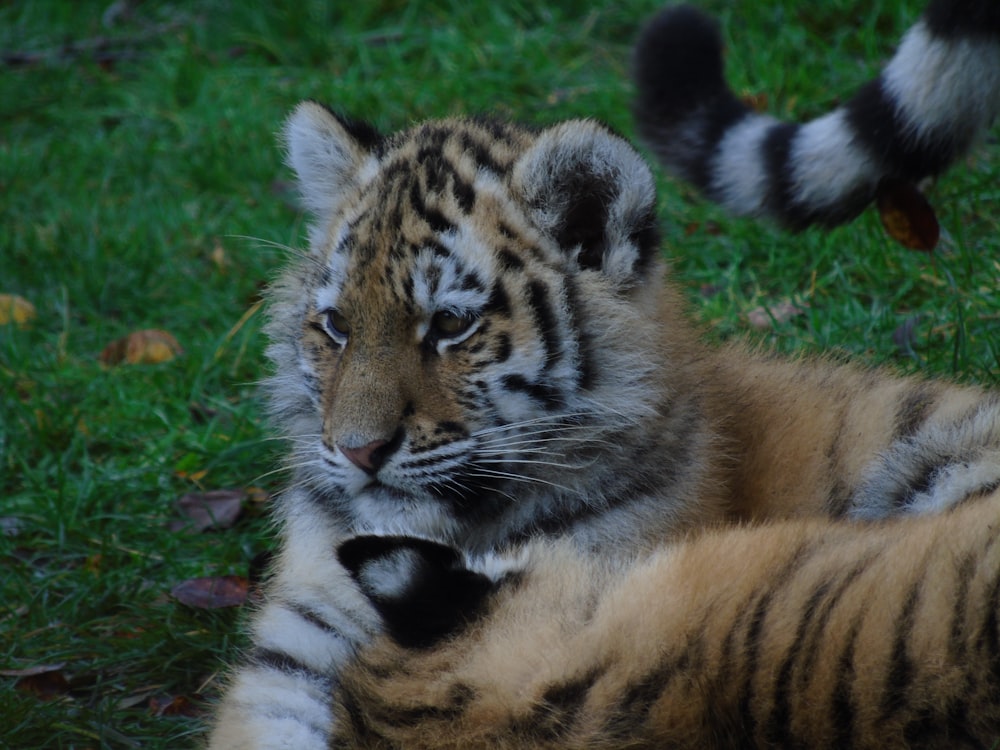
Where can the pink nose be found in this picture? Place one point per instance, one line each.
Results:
(368, 457)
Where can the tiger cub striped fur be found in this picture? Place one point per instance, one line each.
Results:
(797, 634)
(938, 94)
(480, 348)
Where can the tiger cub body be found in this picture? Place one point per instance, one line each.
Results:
(795, 634)
(480, 348)
(934, 99)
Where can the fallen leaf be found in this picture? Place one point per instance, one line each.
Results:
(178, 705)
(150, 346)
(15, 309)
(45, 682)
(764, 317)
(32, 671)
(212, 592)
(215, 509)
(907, 215)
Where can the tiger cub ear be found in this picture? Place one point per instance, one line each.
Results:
(325, 150)
(591, 191)
(423, 590)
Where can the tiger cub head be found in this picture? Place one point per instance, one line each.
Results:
(469, 339)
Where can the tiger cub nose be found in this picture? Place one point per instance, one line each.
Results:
(368, 457)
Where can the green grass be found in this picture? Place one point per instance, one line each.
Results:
(124, 166)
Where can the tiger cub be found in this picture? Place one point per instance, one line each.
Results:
(480, 347)
(933, 100)
(798, 634)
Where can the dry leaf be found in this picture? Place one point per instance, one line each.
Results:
(906, 215)
(762, 318)
(32, 671)
(15, 309)
(178, 705)
(215, 509)
(45, 682)
(212, 592)
(150, 346)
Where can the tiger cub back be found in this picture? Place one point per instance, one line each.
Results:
(800, 634)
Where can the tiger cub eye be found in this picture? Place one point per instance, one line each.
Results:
(448, 325)
(337, 325)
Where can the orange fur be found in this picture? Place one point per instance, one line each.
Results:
(798, 634)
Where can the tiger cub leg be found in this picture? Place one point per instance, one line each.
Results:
(799, 634)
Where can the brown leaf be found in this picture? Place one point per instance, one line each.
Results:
(907, 215)
(212, 592)
(44, 682)
(762, 318)
(150, 346)
(16, 310)
(177, 705)
(215, 509)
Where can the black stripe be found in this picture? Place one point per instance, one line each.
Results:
(560, 704)
(437, 221)
(901, 666)
(546, 322)
(922, 483)
(313, 618)
(584, 355)
(842, 711)
(509, 260)
(818, 635)
(878, 126)
(989, 637)
(503, 348)
(780, 192)
(963, 18)
(450, 708)
(753, 639)
(913, 410)
(958, 640)
(646, 238)
(499, 302)
(362, 734)
(633, 708)
(546, 396)
(481, 153)
(777, 728)
(265, 657)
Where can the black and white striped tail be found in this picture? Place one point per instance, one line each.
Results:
(939, 92)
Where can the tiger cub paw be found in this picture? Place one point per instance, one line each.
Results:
(423, 590)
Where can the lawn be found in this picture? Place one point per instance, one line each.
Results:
(141, 189)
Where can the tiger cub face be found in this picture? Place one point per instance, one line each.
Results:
(471, 327)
